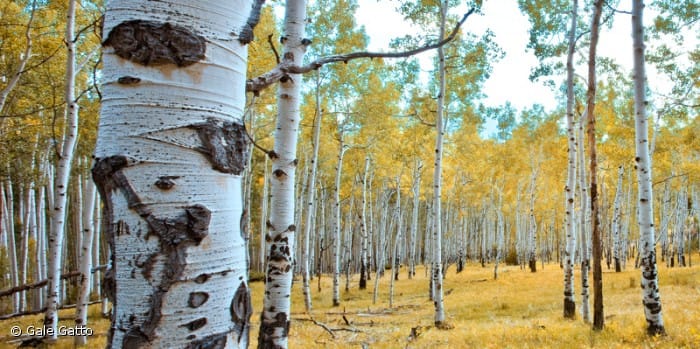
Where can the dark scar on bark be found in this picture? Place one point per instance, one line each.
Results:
(268, 329)
(196, 299)
(244, 224)
(241, 310)
(246, 35)
(106, 173)
(128, 80)
(154, 43)
(215, 341)
(195, 324)
(166, 182)
(225, 144)
(175, 235)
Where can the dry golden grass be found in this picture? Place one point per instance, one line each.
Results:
(519, 310)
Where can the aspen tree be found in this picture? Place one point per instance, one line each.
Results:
(169, 160)
(617, 222)
(598, 319)
(63, 170)
(649, 280)
(276, 313)
(570, 189)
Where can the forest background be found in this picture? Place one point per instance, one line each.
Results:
(500, 161)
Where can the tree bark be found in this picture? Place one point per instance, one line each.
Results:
(436, 265)
(650, 281)
(84, 280)
(570, 189)
(276, 312)
(170, 155)
(63, 170)
(598, 316)
(310, 202)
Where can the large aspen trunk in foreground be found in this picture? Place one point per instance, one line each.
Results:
(169, 160)
(650, 279)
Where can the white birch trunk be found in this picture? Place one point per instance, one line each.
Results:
(650, 280)
(11, 242)
(264, 208)
(275, 317)
(397, 239)
(415, 188)
(170, 155)
(63, 169)
(436, 265)
(337, 221)
(311, 204)
(617, 222)
(570, 189)
(84, 280)
(532, 225)
(364, 265)
(584, 224)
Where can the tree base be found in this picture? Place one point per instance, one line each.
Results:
(443, 325)
(569, 309)
(533, 265)
(655, 330)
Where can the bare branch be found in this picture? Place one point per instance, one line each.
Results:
(259, 83)
(272, 46)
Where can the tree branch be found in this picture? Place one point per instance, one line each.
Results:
(274, 49)
(261, 82)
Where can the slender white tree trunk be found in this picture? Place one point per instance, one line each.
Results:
(364, 265)
(311, 204)
(436, 266)
(570, 189)
(650, 280)
(415, 188)
(584, 225)
(11, 241)
(170, 155)
(337, 221)
(264, 208)
(397, 242)
(275, 317)
(85, 259)
(617, 222)
(63, 169)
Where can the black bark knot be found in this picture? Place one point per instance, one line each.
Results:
(195, 324)
(226, 144)
(166, 182)
(128, 80)
(155, 43)
(197, 299)
(198, 217)
(215, 341)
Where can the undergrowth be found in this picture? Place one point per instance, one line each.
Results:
(518, 310)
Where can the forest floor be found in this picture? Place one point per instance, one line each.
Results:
(518, 310)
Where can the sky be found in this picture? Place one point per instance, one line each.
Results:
(509, 80)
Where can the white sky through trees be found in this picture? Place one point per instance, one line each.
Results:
(509, 80)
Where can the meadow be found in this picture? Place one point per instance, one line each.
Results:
(518, 310)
